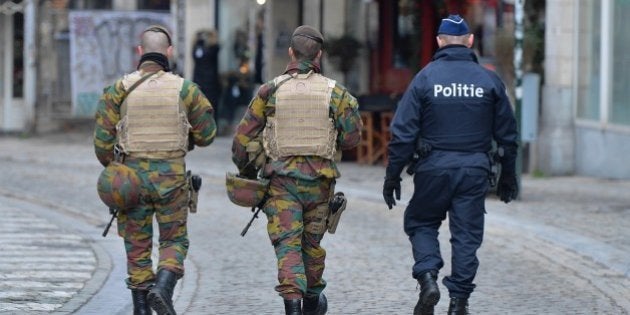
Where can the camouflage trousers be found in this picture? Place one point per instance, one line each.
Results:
(296, 213)
(164, 195)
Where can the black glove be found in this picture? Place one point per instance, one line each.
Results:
(249, 172)
(507, 187)
(390, 186)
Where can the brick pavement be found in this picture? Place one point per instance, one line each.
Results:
(562, 249)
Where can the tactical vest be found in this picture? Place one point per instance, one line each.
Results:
(301, 125)
(154, 123)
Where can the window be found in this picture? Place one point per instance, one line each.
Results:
(620, 102)
(589, 61)
(158, 5)
(404, 35)
(18, 55)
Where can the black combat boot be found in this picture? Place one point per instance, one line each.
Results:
(429, 294)
(293, 307)
(458, 306)
(140, 305)
(161, 295)
(315, 305)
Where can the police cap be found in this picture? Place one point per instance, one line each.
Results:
(453, 25)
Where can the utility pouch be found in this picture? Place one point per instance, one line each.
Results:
(255, 154)
(336, 205)
(194, 185)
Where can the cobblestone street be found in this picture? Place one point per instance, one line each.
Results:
(564, 248)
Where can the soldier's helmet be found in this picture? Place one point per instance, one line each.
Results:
(245, 192)
(119, 186)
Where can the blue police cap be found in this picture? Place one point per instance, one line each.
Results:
(453, 25)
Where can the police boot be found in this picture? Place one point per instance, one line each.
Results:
(429, 294)
(293, 307)
(315, 305)
(458, 306)
(161, 295)
(140, 305)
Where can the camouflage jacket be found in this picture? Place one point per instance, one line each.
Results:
(200, 115)
(345, 111)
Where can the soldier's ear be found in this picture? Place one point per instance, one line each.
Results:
(139, 50)
(291, 53)
(169, 51)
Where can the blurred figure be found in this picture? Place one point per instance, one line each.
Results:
(206, 67)
(237, 94)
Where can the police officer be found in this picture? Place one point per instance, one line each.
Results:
(452, 110)
(146, 121)
(304, 120)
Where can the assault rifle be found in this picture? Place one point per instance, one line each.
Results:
(254, 216)
(114, 213)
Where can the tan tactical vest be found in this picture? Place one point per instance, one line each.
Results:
(302, 125)
(154, 123)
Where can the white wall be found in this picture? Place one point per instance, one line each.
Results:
(556, 147)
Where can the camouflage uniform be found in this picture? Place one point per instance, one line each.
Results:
(164, 185)
(300, 187)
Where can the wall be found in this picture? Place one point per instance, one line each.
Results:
(602, 153)
(556, 147)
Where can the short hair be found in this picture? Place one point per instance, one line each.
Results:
(155, 38)
(306, 42)
(454, 40)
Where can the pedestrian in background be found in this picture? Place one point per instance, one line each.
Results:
(448, 116)
(304, 119)
(145, 124)
(206, 70)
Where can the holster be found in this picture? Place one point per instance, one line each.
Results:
(495, 157)
(336, 205)
(194, 185)
(422, 151)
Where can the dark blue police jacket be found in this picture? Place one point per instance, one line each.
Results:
(457, 107)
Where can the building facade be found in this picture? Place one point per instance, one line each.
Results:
(584, 111)
(585, 114)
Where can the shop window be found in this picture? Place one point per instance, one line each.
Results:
(620, 104)
(588, 90)
(405, 35)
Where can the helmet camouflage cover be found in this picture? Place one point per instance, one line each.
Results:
(245, 192)
(119, 186)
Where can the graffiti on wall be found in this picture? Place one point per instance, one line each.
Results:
(102, 49)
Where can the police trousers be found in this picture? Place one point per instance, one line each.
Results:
(460, 193)
(296, 218)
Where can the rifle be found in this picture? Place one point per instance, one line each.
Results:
(250, 221)
(114, 213)
(259, 206)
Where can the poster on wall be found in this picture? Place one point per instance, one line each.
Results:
(102, 49)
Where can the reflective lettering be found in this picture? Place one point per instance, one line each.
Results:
(457, 90)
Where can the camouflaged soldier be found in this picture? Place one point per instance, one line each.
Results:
(150, 117)
(304, 119)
